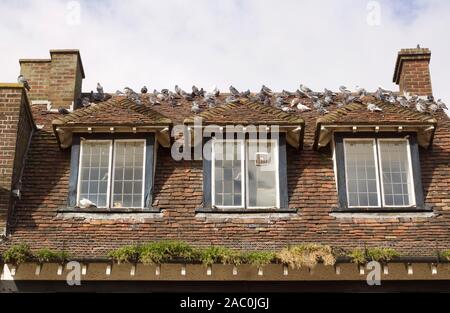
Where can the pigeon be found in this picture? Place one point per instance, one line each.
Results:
(403, 101)
(433, 107)
(392, 99)
(100, 89)
(303, 108)
(22, 80)
(286, 109)
(344, 89)
(305, 89)
(234, 91)
(373, 108)
(266, 90)
(231, 99)
(279, 102)
(300, 94)
(178, 90)
(195, 108)
(328, 93)
(63, 111)
(322, 110)
(379, 95)
(328, 100)
(119, 93)
(154, 101)
(285, 94)
(267, 101)
(144, 90)
(85, 102)
(216, 92)
(86, 204)
(246, 94)
(349, 98)
(421, 106)
(295, 102)
(441, 104)
(361, 91)
(195, 91)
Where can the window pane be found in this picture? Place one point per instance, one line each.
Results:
(128, 174)
(262, 174)
(361, 174)
(227, 171)
(397, 184)
(94, 172)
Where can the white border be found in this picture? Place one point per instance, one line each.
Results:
(374, 143)
(411, 193)
(143, 173)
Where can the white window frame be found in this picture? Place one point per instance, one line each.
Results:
(244, 173)
(277, 174)
(213, 173)
(143, 172)
(411, 177)
(108, 191)
(111, 166)
(375, 155)
(378, 172)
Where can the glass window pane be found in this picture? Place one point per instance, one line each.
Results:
(227, 171)
(361, 173)
(397, 182)
(128, 174)
(94, 172)
(262, 174)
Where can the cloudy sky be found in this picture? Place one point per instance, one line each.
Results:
(247, 43)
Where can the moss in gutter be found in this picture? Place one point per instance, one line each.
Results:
(382, 255)
(18, 254)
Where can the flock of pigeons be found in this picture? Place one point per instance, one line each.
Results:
(302, 100)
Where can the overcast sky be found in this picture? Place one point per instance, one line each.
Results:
(247, 43)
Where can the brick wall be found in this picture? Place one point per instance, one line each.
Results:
(15, 130)
(412, 71)
(58, 79)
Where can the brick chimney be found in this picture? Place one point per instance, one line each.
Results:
(412, 71)
(16, 129)
(58, 79)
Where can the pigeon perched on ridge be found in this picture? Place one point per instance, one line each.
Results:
(421, 106)
(246, 94)
(403, 101)
(119, 93)
(373, 108)
(100, 89)
(344, 89)
(361, 91)
(441, 104)
(295, 102)
(144, 90)
(266, 90)
(234, 91)
(195, 108)
(22, 80)
(305, 89)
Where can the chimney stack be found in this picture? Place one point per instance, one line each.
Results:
(58, 79)
(412, 71)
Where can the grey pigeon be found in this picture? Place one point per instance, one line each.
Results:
(421, 106)
(119, 93)
(85, 102)
(267, 101)
(195, 91)
(433, 107)
(441, 104)
(361, 91)
(195, 108)
(328, 93)
(266, 90)
(403, 101)
(144, 90)
(178, 90)
(305, 89)
(344, 89)
(246, 94)
(279, 102)
(373, 108)
(285, 94)
(100, 89)
(63, 111)
(231, 99)
(22, 80)
(234, 91)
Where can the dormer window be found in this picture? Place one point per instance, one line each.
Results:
(378, 172)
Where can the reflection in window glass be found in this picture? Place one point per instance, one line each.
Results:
(128, 174)
(94, 172)
(396, 176)
(361, 173)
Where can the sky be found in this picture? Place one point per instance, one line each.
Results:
(245, 43)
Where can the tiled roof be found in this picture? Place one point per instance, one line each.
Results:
(246, 112)
(357, 113)
(116, 111)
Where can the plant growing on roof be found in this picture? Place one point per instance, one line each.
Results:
(223, 255)
(446, 254)
(259, 258)
(165, 251)
(306, 255)
(358, 256)
(382, 255)
(47, 256)
(126, 254)
(17, 254)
